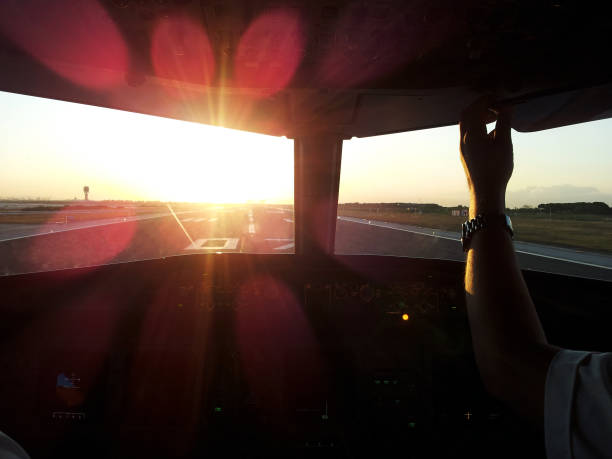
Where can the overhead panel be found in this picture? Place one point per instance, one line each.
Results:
(359, 68)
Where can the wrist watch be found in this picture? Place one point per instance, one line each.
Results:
(481, 222)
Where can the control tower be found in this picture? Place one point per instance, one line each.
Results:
(86, 192)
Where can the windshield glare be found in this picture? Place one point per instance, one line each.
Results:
(85, 186)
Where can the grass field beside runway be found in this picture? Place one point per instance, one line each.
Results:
(588, 232)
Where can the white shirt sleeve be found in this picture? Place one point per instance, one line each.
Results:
(9, 449)
(578, 405)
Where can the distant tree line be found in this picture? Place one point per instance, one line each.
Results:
(394, 207)
(586, 208)
(579, 208)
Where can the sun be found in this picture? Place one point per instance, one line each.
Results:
(189, 162)
(220, 165)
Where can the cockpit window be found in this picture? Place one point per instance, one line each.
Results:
(406, 195)
(83, 186)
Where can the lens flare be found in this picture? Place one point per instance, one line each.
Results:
(171, 350)
(69, 369)
(271, 330)
(181, 52)
(77, 40)
(59, 244)
(269, 52)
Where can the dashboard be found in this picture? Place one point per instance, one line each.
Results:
(264, 356)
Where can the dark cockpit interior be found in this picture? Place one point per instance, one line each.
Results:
(310, 354)
(266, 356)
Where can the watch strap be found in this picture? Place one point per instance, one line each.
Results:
(480, 222)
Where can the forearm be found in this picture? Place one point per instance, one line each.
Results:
(509, 342)
(499, 305)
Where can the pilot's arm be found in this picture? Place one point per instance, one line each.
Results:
(568, 393)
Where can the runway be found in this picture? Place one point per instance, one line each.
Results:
(355, 235)
(252, 229)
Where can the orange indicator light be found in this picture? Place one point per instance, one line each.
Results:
(405, 317)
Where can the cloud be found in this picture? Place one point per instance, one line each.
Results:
(535, 195)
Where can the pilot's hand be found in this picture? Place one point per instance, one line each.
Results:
(487, 158)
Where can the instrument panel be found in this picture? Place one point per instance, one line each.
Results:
(274, 359)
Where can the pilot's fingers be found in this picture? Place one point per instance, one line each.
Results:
(472, 121)
(503, 125)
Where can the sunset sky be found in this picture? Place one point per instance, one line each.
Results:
(51, 149)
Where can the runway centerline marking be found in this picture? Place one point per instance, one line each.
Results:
(251, 222)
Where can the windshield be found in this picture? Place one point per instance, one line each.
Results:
(83, 186)
(406, 195)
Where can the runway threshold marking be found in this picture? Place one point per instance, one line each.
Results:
(524, 252)
(214, 243)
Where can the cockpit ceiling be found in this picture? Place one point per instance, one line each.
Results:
(300, 67)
